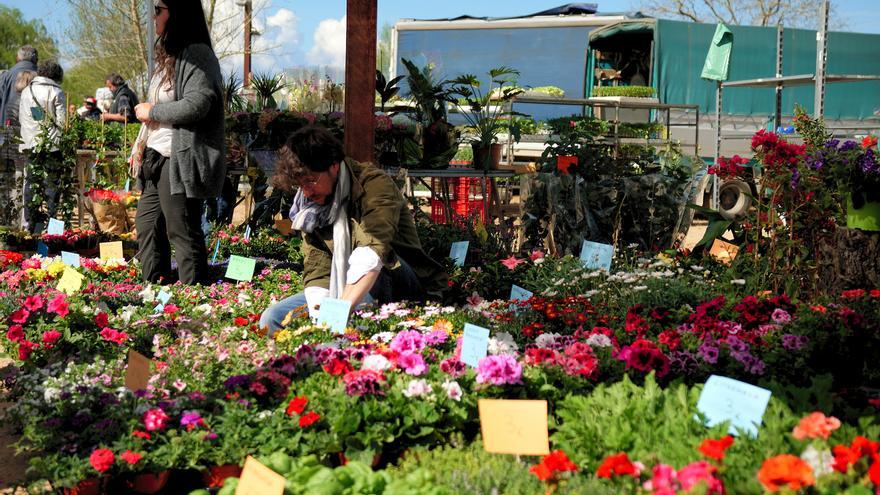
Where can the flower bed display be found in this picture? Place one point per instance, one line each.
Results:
(389, 407)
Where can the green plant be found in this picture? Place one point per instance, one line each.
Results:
(438, 140)
(386, 89)
(487, 106)
(233, 101)
(266, 86)
(627, 91)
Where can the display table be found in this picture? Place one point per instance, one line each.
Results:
(443, 195)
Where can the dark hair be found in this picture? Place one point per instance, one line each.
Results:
(26, 52)
(308, 150)
(115, 79)
(50, 69)
(186, 26)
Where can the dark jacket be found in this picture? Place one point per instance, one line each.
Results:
(380, 220)
(124, 101)
(198, 151)
(9, 97)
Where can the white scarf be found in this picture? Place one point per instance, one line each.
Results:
(306, 216)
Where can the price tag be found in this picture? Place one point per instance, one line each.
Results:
(56, 227)
(458, 252)
(514, 426)
(334, 313)
(70, 259)
(257, 479)
(111, 251)
(70, 281)
(164, 296)
(137, 372)
(725, 399)
(42, 248)
(474, 344)
(723, 251)
(597, 256)
(285, 226)
(241, 268)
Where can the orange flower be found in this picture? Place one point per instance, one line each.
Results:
(785, 471)
(815, 425)
(714, 449)
(819, 308)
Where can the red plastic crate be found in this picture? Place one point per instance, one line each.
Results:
(462, 210)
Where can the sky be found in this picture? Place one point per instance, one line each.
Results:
(310, 32)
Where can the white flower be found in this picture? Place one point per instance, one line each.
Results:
(502, 343)
(383, 337)
(822, 462)
(640, 288)
(179, 385)
(599, 340)
(205, 309)
(546, 340)
(453, 390)
(51, 394)
(376, 362)
(738, 281)
(244, 298)
(148, 295)
(417, 388)
(696, 268)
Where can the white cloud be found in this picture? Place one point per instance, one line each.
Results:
(329, 47)
(275, 48)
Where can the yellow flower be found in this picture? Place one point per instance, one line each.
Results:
(665, 258)
(282, 336)
(56, 268)
(443, 325)
(36, 273)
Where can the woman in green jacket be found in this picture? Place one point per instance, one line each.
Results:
(179, 154)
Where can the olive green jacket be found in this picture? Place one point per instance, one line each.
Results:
(379, 219)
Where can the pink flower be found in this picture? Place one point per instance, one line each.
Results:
(15, 333)
(33, 303)
(155, 419)
(59, 306)
(31, 263)
(114, 336)
(536, 255)
(20, 316)
(700, 471)
(170, 309)
(499, 370)
(408, 341)
(474, 299)
(780, 316)
(51, 336)
(412, 363)
(512, 262)
(130, 457)
(663, 481)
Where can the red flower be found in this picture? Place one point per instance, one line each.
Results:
(241, 321)
(59, 305)
(51, 336)
(25, 348)
(843, 457)
(297, 405)
(616, 464)
(102, 460)
(33, 303)
(170, 309)
(869, 141)
(141, 434)
(714, 449)
(308, 419)
(551, 464)
(852, 294)
(102, 320)
(130, 457)
(337, 367)
(874, 471)
(512, 262)
(15, 333)
(20, 316)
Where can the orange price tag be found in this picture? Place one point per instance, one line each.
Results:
(514, 426)
(137, 373)
(257, 479)
(724, 252)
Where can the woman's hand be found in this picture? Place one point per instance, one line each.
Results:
(142, 110)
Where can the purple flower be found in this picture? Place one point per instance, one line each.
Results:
(794, 342)
(211, 436)
(867, 162)
(848, 146)
(408, 341)
(190, 418)
(436, 337)
(832, 143)
(795, 177)
(412, 363)
(363, 382)
(709, 353)
(736, 345)
(502, 369)
(683, 362)
(780, 316)
(453, 367)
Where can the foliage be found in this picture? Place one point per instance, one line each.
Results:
(626, 91)
(233, 101)
(486, 107)
(385, 89)
(15, 31)
(438, 139)
(266, 86)
(796, 13)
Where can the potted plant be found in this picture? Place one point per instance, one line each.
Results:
(623, 95)
(437, 138)
(487, 111)
(855, 170)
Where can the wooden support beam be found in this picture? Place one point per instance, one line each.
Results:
(360, 78)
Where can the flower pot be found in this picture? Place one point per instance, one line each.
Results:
(865, 218)
(215, 476)
(93, 486)
(486, 158)
(149, 482)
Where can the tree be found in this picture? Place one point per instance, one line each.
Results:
(15, 31)
(789, 13)
(383, 50)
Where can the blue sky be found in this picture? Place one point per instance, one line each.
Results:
(309, 32)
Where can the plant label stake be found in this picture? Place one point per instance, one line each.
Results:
(474, 344)
(111, 251)
(514, 426)
(56, 227)
(742, 404)
(334, 314)
(458, 252)
(257, 479)
(597, 256)
(241, 268)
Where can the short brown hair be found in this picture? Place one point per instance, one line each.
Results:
(308, 150)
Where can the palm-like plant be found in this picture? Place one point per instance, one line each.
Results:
(233, 101)
(266, 86)
(486, 108)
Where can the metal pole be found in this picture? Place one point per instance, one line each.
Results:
(717, 143)
(151, 39)
(248, 20)
(779, 34)
(821, 63)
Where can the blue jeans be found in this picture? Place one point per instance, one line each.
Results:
(391, 286)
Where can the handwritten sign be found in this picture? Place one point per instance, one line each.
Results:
(137, 373)
(514, 426)
(726, 399)
(458, 252)
(111, 250)
(42, 248)
(70, 259)
(474, 344)
(257, 479)
(285, 226)
(241, 268)
(70, 281)
(724, 252)
(596, 256)
(55, 227)
(334, 314)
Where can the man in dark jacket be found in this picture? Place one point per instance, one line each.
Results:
(124, 101)
(9, 97)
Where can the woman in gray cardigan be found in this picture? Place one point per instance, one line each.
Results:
(182, 139)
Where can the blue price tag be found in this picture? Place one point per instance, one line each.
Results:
(596, 256)
(128, 185)
(70, 259)
(725, 399)
(42, 248)
(247, 233)
(216, 250)
(159, 308)
(334, 313)
(56, 227)
(164, 296)
(474, 344)
(458, 252)
(517, 293)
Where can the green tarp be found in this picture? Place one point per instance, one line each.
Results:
(717, 64)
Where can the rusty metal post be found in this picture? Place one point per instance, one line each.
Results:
(360, 78)
(248, 25)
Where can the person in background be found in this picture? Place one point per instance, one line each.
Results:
(26, 59)
(89, 110)
(179, 155)
(359, 238)
(124, 101)
(22, 81)
(43, 115)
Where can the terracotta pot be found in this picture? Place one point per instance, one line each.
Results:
(149, 482)
(215, 476)
(486, 158)
(86, 487)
